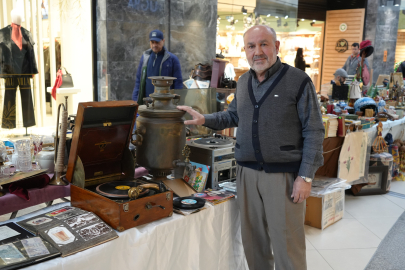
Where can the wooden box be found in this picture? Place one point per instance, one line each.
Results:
(100, 154)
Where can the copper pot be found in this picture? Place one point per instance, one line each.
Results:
(160, 130)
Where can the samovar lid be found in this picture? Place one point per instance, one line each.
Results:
(162, 78)
(151, 112)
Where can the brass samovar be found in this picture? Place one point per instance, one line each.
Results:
(160, 131)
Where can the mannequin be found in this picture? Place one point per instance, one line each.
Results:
(17, 67)
(16, 17)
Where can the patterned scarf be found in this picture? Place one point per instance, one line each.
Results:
(16, 35)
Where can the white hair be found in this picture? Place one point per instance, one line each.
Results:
(271, 30)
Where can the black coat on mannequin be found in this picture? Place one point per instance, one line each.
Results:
(7, 65)
(17, 67)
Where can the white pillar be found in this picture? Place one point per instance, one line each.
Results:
(40, 57)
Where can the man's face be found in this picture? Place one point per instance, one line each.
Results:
(157, 46)
(355, 50)
(341, 80)
(261, 49)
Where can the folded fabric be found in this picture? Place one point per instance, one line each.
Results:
(20, 188)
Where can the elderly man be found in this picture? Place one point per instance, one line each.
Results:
(157, 61)
(278, 150)
(353, 60)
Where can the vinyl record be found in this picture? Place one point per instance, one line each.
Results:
(116, 189)
(200, 195)
(188, 202)
(213, 142)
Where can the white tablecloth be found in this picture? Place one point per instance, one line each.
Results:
(209, 239)
(394, 127)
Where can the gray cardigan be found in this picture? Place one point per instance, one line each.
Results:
(281, 132)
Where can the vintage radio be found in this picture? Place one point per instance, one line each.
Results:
(100, 155)
(218, 153)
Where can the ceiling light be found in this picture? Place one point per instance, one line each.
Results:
(276, 17)
(268, 15)
(302, 19)
(244, 10)
(383, 3)
(286, 17)
(397, 3)
(314, 20)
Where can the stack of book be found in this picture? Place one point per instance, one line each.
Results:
(215, 197)
(70, 229)
(330, 122)
(20, 248)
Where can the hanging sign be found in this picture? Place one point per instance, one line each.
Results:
(343, 27)
(342, 45)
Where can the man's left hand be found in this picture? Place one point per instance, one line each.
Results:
(301, 190)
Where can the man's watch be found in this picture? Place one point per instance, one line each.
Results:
(306, 179)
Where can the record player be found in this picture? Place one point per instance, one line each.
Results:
(101, 167)
(218, 152)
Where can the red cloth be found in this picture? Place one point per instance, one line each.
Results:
(16, 35)
(58, 83)
(365, 75)
(20, 188)
(364, 44)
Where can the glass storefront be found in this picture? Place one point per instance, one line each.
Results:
(292, 32)
(59, 35)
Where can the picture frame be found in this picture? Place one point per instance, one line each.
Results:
(377, 177)
(381, 78)
(340, 92)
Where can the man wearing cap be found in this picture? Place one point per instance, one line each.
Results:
(353, 60)
(340, 77)
(157, 61)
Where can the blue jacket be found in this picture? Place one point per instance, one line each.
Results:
(170, 66)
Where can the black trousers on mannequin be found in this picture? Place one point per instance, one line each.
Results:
(9, 108)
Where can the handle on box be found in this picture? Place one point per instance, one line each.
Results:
(150, 206)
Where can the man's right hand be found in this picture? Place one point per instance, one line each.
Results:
(198, 118)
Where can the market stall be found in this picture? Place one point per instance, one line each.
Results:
(209, 239)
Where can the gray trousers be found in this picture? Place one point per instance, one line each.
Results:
(272, 225)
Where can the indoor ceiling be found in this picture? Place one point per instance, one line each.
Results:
(235, 6)
(307, 9)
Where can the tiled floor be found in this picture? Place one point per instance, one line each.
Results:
(350, 243)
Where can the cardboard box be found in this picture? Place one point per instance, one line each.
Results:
(392, 103)
(323, 212)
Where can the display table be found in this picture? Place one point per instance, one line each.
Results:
(396, 128)
(209, 239)
(11, 203)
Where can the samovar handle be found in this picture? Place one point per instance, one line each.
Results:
(138, 132)
(176, 99)
(147, 101)
(138, 141)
